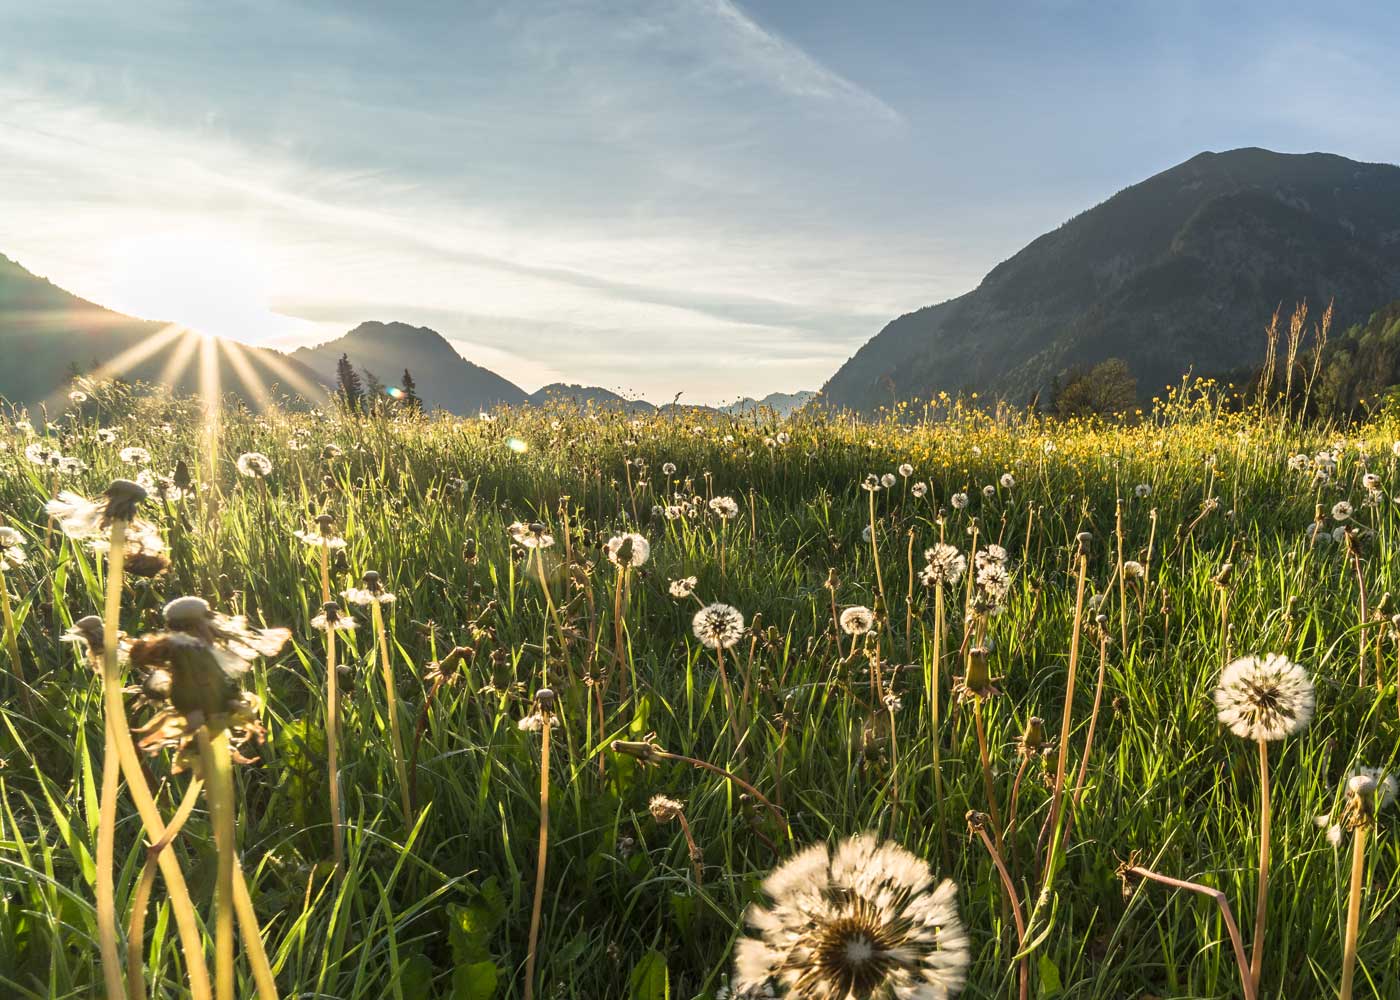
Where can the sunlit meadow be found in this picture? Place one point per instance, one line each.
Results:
(533, 705)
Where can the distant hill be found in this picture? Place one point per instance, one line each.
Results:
(1181, 271)
(587, 395)
(444, 378)
(781, 403)
(46, 331)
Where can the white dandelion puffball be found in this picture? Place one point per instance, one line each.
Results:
(1007, 480)
(620, 553)
(919, 489)
(683, 587)
(1341, 510)
(887, 480)
(668, 469)
(946, 565)
(725, 507)
(906, 470)
(1264, 698)
(1142, 491)
(134, 456)
(958, 500)
(857, 620)
(862, 921)
(718, 626)
(254, 465)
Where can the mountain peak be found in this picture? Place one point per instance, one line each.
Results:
(1181, 270)
(444, 378)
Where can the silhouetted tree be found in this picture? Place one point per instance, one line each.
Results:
(375, 395)
(352, 393)
(1104, 390)
(411, 400)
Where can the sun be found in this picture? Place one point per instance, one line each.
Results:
(211, 279)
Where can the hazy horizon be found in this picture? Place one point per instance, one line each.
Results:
(693, 195)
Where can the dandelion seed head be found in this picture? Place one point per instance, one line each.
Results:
(725, 507)
(254, 465)
(857, 620)
(683, 587)
(958, 500)
(862, 921)
(906, 470)
(133, 455)
(628, 549)
(1264, 698)
(718, 626)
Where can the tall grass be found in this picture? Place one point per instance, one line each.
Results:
(438, 902)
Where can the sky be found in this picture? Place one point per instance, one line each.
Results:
(700, 196)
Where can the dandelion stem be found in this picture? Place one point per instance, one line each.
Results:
(252, 935)
(977, 823)
(333, 754)
(392, 707)
(106, 889)
(1250, 992)
(218, 770)
(1057, 800)
(1358, 871)
(1256, 964)
(535, 908)
(140, 900)
(191, 942)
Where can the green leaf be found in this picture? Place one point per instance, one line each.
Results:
(650, 980)
(476, 981)
(1050, 985)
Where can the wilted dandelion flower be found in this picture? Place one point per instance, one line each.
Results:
(782, 437)
(919, 489)
(871, 483)
(331, 451)
(254, 465)
(330, 617)
(1341, 510)
(946, 566)
(106, 435)
(1132, 570)
(40, 453)
(906, 470)
(77, 396)
(665, 809)
(370, 592)
(857, 620)
(718, 626)
(11, 549)
(1007, 480)
(628, 549)
(683, 587)
(530, 536)
(133, 455)
(323, 534)
(725, 507)
(862, 922)
(1264, 698)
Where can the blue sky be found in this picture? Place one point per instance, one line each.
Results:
(662, 196)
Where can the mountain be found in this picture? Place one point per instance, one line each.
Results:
(45, 332)
(782, 404)
(1181, 271)
(443, 377)
(587, 395)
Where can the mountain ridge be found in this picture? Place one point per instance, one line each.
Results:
(1180, 270)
